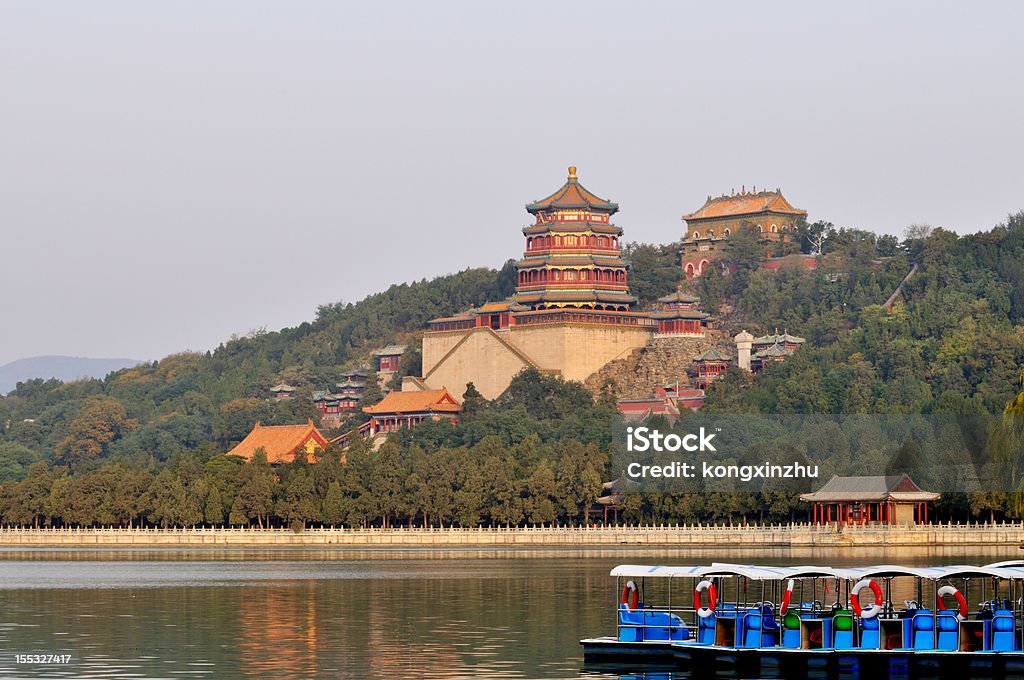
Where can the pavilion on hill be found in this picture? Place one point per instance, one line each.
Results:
(281, 442)
(400, 410)
(889, 499)
(709, 228)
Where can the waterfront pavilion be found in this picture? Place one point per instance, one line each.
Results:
(888, 499)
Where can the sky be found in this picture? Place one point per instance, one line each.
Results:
(172, 173)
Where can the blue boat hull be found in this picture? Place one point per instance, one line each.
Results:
(708, 661)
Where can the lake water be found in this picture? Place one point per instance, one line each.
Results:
(332, 613)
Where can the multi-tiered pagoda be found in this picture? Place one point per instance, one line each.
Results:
(571, 313)
(572, 256)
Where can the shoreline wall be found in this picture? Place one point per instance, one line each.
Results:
(702, 537)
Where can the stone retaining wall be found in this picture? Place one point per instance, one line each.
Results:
(769, 536)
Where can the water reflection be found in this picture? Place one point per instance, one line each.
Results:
(328, 613)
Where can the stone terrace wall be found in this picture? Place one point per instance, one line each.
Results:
(663, 360)
(770, 536)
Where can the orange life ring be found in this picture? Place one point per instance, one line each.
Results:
(630, 596)
(705, 612)
(785, 598)
(940, 604)
(876, 606)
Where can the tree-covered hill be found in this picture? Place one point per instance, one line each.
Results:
(208, 401)
(953, 341)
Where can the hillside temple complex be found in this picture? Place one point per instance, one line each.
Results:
(572, 311)
(573, 315)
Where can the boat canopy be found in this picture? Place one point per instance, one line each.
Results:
(1002, 570)
(644, 571)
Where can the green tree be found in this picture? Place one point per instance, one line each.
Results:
(333, 510)
(256, 495)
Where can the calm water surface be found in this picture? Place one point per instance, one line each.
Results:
(331, 614)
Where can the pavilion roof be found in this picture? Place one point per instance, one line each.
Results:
(573, 195)
(282, 387)
(417, 401)
(745, 203)
(775, 350)
(278, 441)
(713, 354)
(679, 297)
(776, 337)
(874, 488)
(390, 350)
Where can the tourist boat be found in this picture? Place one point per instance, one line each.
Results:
(749, 621)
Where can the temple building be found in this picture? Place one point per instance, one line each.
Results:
(572, 311)
(389, 358)
(753, 354)
(282, 391)
(886, 499)
(711, 364)
(666, 400)
(281, 442)
(680, 316)
(708, 229)
(399, 410)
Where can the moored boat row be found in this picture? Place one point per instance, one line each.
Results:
(769, 621)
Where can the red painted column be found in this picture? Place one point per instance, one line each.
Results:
(925, 504)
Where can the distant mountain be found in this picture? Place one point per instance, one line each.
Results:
(60, 367)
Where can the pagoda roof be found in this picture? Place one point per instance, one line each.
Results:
(557, 227)
(679, 298)
(870, 488)
(776, 338)
(679, 314)
(571, 195)
(417, 401)
(572, 261)
(278, 441)
(745, 203)
(775, 350)
(576, 295)
(713, 354)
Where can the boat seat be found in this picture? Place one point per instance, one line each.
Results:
(706, 630)
(923, 630)
(1003, 638)
(760, 628)
(869, 633)
(631, 624)
(948, 626)
(842, 627)
(791, 630)
(664, 626)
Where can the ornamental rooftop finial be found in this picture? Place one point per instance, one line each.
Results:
(572, 172)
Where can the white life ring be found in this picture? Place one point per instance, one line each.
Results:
(961, 601)
(876, 606)
(785, 598)
(705, 612)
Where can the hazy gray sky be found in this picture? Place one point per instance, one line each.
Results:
(173, 173)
